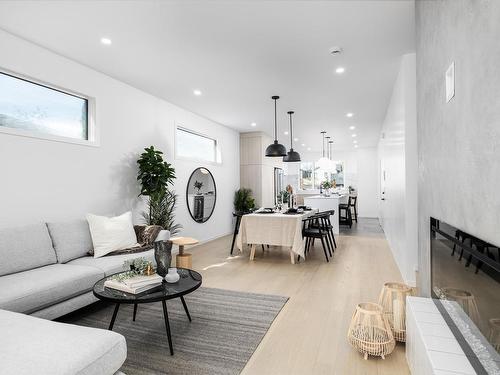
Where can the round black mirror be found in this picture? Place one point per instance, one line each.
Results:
(201, 194)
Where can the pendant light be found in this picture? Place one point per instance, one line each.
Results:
(329, 169)
(292, 156)
(323, 162)
(275, 149)
(333, 168)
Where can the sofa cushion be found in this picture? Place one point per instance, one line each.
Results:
(39, 288)
(110, 264)
(24, 248)
(37, 346)
(71, 239)
(111, 233)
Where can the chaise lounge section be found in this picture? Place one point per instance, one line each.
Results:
(38, 346)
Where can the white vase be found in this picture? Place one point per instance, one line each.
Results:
(172, 275)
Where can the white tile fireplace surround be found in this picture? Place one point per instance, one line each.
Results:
(431, 347)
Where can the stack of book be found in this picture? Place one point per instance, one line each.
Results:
(136, 284)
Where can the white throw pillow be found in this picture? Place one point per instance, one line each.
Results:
(111, 233)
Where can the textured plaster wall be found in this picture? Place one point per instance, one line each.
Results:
(459, 141)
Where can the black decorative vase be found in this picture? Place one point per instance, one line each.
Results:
(163, 257)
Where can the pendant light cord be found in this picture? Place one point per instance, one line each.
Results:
(291, 130)
(323, 143)
(275, 123)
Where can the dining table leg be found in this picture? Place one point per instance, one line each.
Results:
(252, 252)
(292, 256)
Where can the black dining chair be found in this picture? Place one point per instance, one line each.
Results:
(238, 216)
(314, 227)
(328, 227)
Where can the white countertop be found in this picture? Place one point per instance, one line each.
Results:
(332, 196)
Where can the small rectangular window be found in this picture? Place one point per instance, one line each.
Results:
(194, 146)
(33, 109)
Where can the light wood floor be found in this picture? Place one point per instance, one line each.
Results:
(309, 335)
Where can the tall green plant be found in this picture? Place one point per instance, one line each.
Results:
(243, 201)
(155, 175)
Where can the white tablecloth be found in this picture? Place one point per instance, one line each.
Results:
(273, 229)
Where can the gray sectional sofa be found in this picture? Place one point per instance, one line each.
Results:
(46, 272)
(45, 269)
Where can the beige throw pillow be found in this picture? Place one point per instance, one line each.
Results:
(111, 233)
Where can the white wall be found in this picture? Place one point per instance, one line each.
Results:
(49, 181)
(361, 171)
(459, 140)
(398, 163)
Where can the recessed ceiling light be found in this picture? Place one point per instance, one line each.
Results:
(106, 41)
(303, 145)
(295, 139)
(309, 149)
(354, 141)
(349, 114)
(355, 146)
(197, 92)
(340, 70)
(254, 124)
(352, 127)
(286, 133)
(354, 135)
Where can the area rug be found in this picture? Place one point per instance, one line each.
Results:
(226, 329)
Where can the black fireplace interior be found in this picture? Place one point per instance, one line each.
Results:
(465, 281)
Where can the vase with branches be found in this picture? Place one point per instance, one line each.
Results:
(155, 175)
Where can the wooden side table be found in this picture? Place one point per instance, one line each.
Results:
(184, 260)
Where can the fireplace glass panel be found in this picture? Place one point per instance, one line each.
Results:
(465, 280)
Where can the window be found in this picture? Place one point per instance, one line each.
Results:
(33, 109)
(311, 176)
(306, 176)
(194, 146)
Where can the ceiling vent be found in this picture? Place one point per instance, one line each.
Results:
(336, 50)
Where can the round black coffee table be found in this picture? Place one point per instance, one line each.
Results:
(189, 281)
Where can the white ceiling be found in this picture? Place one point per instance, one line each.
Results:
(239, 53)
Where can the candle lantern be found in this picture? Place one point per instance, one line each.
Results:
(393, 301)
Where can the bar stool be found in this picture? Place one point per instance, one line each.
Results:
(354, 204)
(346, 218)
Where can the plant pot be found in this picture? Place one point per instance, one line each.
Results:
(163, 257)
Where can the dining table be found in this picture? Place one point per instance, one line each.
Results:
(276, 229)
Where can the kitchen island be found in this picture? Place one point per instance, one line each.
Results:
(325, 203)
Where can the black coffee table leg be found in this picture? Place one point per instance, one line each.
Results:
(117, 306)
(167, 326)
(185, 308)
(135, 311)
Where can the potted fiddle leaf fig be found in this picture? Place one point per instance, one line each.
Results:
(155, 175)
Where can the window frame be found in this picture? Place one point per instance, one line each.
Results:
(217, 153)
(92, 130)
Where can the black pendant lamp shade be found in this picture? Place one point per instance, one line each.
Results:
(275, 149)
(291, 156)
